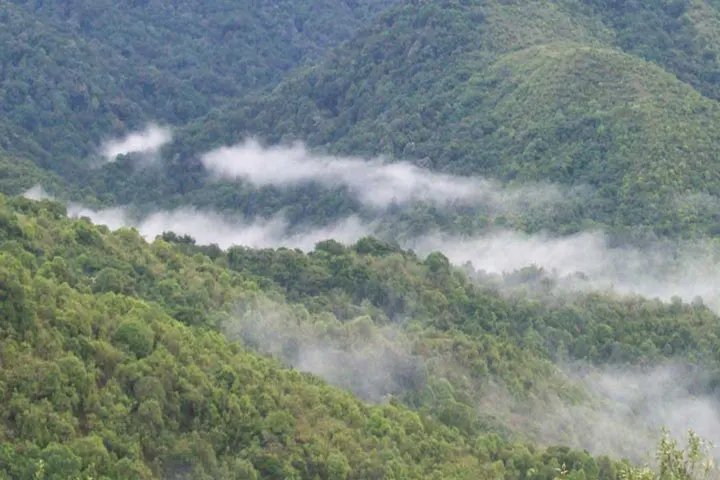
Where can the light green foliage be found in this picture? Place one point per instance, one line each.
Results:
(109, 384)
(103, 385)
(694, 462)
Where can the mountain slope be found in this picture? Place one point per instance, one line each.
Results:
(681, 36)
(99, 380)
(220, 49)
(488, 88)
(102, 385)
(378, 321)
(18, 175)
(73, 74)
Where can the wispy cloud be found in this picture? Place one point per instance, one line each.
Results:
(207, 228)
(374, 182)
(147, 141)
(621, 412)
(371, 362)
(37, 193)
(210, 227)
(628, 408)
(684, 270)
(662, 271)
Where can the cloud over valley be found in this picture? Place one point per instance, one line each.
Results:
(662, 271)
(374, 182)
(148, 141)
(628, 404)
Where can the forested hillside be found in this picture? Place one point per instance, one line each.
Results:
(564, 91)
(114, 364)
(479, 192)
(98, 379)
(74, 73)
(615, 99)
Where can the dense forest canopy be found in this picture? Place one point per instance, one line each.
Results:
(564, 91)
(76, 72)
(359, 239)
(116, 341)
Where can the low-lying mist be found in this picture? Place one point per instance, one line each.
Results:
(374, 182)
(148, 142)
(213, 228)
(208, 228)
(657, 271)
(684, 270)
(621, 415)
(671, 269)
(371, 362)
(625, 412)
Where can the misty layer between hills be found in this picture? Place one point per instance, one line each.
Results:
(581, 262)
(375, 182)
(685, 270)
(626, 407)
(147, 141)
(621, 416)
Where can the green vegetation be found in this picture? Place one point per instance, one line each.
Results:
(618, 98)
(19, 175)
(518, 91)
(98, 380)
(113, 364)
(219, 49)
(679, 35)
(690, 463)
(128, 358)
(72, 75)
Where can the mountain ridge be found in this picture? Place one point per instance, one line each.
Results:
(624, 123)
(564, 152)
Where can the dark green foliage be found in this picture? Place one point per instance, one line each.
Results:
(72, 75)
(513, 90)
(19, 175)
(620, 98)
(136, 335)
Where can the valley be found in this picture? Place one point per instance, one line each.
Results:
(359, 239)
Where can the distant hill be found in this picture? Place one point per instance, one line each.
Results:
(619, 98)
(219, 49)
(74, 73)
(557, 91)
